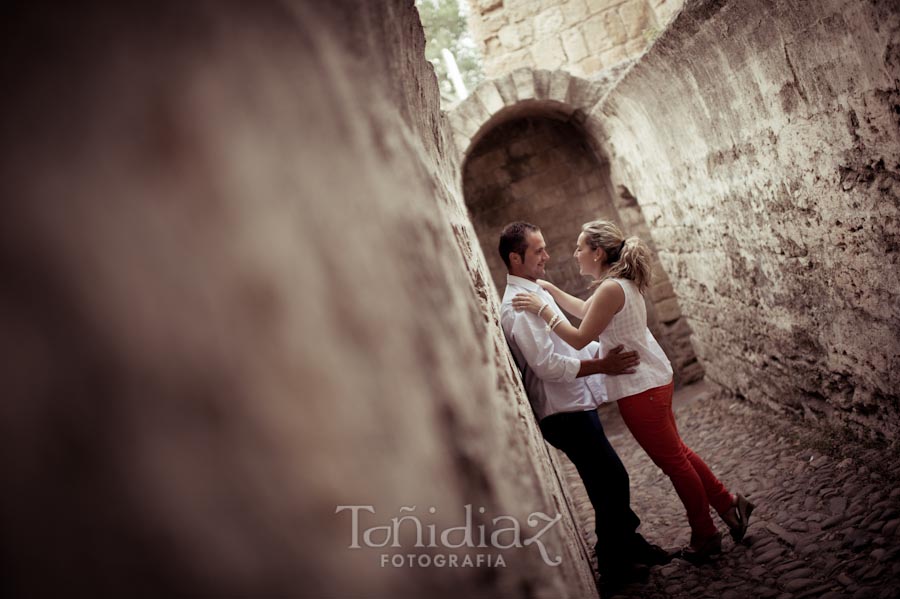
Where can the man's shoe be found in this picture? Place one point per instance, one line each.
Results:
(653, 555)
(613, 579)
(704, 551)
(743, 508)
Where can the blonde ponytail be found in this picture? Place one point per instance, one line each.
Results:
(627, 258)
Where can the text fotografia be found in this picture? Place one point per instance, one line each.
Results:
(504, 532)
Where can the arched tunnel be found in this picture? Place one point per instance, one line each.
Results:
(533, 162)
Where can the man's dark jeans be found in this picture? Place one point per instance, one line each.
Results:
(580, 436)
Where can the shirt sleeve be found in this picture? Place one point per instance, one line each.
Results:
(533, 339)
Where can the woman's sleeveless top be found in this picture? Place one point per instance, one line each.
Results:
(629, 328)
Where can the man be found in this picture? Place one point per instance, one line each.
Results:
(565, 399)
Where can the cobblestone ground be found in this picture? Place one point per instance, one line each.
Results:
(827, 521)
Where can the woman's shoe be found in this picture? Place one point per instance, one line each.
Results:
(742, 508)
(704, 550)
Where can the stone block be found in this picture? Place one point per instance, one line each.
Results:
(493, 47)
(548, 23)
(491, 23)
(525, 31)
(661, 290)
(576, 11)
(598, 6)
(506, 87)
(509, 37)
(574, 68)
(559, 86)
(668, 310)
(636, 46)
(541, 84)
(523, 79)
(548, 53)
(614, 55)
(473, 117)
(691, 372)
(583, 94)
(603, 31)
(490, 97)
(521, 9)
(592, 65)
(508, 62)
(637, 17)
(573, 44)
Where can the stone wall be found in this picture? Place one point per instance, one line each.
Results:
(582, 37)
(240, 290)
(761, 140)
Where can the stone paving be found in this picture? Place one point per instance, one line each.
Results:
(827, 521)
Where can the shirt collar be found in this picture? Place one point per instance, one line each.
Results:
(522, 282)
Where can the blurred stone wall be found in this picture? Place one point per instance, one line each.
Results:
(582, 37)
(761, 140)
(240, 289)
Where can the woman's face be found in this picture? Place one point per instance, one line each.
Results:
(588, 259)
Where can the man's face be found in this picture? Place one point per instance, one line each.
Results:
(532, 265)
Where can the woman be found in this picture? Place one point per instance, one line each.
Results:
(616, 314)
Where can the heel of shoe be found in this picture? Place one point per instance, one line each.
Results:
(744, 509)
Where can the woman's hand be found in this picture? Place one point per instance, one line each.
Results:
(529, 302)
(545, 285)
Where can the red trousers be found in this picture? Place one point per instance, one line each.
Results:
(649, 417)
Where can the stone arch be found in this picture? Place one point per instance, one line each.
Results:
(557, 118)
(526, 91)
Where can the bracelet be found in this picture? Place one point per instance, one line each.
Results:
(554, 321)
(542, 309)
(559, 321)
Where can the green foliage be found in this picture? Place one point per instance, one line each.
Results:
(445, 27)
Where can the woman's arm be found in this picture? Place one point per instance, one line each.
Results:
(607, 300)
(571, 304)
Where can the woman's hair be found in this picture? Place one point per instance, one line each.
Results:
(627, 258)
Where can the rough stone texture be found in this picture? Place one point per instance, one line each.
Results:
(241, 289)
(765, 156)
(798, 544)
(582, 37)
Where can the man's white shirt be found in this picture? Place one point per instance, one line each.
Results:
(549, 365)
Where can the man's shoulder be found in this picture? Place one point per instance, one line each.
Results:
(507, 312)
(508, 294)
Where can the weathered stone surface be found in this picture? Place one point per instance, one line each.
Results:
(595, 34)
(736, 440)
(766, 168)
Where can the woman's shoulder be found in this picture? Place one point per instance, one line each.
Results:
(610, 291)
(612, 285)
(625, 284)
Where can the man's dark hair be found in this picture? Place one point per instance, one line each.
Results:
(512, 239)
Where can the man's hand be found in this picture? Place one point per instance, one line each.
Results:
(619, 361)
